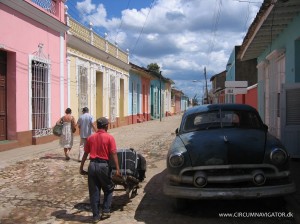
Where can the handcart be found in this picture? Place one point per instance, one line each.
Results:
(132, 168)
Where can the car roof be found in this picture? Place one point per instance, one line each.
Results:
(213, 107)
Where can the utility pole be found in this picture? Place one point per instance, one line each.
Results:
(206, 90)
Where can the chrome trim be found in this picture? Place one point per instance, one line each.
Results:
(227, 193)
(189, 179)
(278, 149)
(176, 154)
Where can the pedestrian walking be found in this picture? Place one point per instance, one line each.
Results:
(100, 146)
(85, 125)
(69, 127)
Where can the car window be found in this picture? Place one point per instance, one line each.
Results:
(202, 121)
(223, 119)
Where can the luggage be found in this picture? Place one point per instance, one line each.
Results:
(132, 168)
(141, 167)
(131, 163)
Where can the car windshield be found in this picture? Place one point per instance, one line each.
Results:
(222, 119)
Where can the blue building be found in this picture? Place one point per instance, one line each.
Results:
(274, 40)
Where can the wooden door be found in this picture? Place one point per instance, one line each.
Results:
(3, 114)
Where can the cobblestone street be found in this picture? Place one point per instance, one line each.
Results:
(37, 185)
(44, 188)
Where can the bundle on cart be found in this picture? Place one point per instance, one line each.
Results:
(133, 169)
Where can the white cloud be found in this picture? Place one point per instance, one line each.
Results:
(182, 36)
(85, 7)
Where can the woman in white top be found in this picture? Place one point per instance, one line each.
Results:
(69, 127)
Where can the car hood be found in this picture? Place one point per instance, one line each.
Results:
(225, 146)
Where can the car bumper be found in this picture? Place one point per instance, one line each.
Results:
(228, 193)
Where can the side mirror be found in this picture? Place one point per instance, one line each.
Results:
(176, 131)
(266, 127)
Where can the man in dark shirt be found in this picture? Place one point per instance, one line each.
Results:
(100, 146)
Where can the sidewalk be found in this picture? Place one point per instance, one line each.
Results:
(123, 136)
(12, 156)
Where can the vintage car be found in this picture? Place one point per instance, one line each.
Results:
(224, 151)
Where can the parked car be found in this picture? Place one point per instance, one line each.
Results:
(224, 151)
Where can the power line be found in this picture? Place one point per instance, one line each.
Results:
(216, 19)
(121, 23)
(142, 30)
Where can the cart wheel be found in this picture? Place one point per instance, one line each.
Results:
(127, 190)
(133, 192)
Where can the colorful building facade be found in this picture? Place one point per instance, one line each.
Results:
(98, 75)
(32, 70)
(160, 95)
(237, 70)
(139, 94)
(277, 50)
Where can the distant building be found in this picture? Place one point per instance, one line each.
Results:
(218, 87)
(139, 94)
(237, 70)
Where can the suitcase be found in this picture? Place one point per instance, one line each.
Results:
(128, 161)
(132, 168)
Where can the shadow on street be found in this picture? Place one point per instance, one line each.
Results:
(155, 207)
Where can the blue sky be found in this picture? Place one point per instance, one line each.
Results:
(181, 36)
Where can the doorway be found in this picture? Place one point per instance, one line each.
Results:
(99, 94)
(3, 103)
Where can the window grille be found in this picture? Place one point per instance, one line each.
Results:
(83, 87)
(48, 5)
(113, 106)
(134, 109)
(155, 103)
(40, 98)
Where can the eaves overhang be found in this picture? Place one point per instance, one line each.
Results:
(89, 49)
(141, 71)
(161, 77)
(216, 75)
(36, 14)
(273, 17)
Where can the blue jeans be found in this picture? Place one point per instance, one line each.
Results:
(99, 178)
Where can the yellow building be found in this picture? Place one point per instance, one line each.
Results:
(98, 75)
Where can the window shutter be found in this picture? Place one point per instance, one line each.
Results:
(293, 107)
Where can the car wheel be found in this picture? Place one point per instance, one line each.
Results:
(180, 204)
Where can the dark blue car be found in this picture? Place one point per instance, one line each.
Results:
(224, 151)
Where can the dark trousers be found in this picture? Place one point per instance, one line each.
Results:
(99, 178)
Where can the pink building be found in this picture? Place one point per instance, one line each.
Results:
(32, 70)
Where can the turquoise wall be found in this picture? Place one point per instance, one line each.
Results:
(288, 40)
(134, 79)
(155, 97)
(230, 67)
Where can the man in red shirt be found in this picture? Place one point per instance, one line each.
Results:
(100, 146)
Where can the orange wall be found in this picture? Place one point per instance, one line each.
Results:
(250, 98)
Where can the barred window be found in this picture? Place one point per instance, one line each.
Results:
(40, 96)
(113, 102)
(48, 5)
(83, 87)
